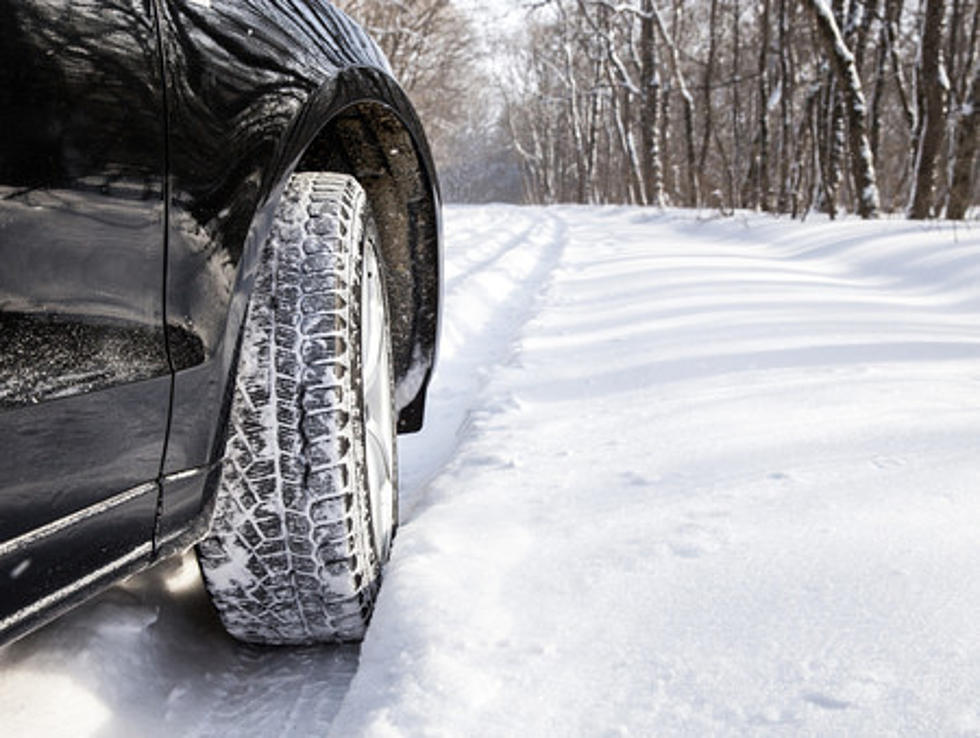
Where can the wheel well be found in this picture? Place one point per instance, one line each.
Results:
(369, 142)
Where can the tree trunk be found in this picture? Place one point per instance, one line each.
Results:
(785, 112)
(649, 116)
(620, 111)
(764, 195)
(881, 64)
(574, 111)
(933, 87)
(831, 142)
(817, 185)
(961, 190)
(893, 15)
(737, 201)
(708, 81)
(863, 31)
(969, 54)
(693, 194)
(842, 61)
(952, 47)
(592, 152)
(837, 131)
(669, 170)
(806, 137)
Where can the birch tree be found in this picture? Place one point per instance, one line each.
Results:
(673, 56)
(650, 120)
(738, 104)
(842, 62)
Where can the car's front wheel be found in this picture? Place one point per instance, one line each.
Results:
(307, 503)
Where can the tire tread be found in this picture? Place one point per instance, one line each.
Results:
(290, 558)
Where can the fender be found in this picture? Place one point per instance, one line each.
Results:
(372, 133)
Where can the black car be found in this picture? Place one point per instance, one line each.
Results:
(219, 302)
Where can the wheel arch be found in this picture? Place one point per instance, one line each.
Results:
(368, 129)
(369, 141)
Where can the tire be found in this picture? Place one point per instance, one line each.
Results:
(307, 502)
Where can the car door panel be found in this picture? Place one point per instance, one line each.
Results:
(85, 376)
(67, 455)
(38, 572)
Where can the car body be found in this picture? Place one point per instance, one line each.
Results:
(144, 145)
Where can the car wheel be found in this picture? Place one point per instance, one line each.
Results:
(307, 503)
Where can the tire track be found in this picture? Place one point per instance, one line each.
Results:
(512, 241)
(484, 312)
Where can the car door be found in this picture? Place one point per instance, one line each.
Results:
(84, 372)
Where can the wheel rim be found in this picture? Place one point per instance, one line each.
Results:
(379, 437)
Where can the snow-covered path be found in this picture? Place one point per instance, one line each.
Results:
(680, 477)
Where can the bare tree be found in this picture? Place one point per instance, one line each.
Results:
(694, 192)
(878, 96)
(621, 100)
(650, 118)
(967, 130)
(787, 90)
(736, 105)
(763, 190)
(933, 87)
(842, 62)
(707, 83)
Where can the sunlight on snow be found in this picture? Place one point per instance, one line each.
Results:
(184, 577)
(66, 708)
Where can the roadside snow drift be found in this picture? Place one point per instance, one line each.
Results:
(720, 477)
(680, 476)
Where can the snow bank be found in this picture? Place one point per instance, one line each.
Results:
(722, 482)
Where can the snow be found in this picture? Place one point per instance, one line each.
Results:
(828, 25)
(943, 77)
(681, 475)
(775, 97)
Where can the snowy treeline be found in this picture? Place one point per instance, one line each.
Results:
(779, 105)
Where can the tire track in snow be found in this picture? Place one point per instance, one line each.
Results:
(513, 240)
(488, 302)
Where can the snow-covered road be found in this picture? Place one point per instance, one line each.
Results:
(681, 476)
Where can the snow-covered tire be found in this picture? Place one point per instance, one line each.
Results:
(307, 502)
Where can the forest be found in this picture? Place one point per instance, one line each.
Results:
(783, 106)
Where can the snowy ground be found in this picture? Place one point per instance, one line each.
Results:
(681, 476)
